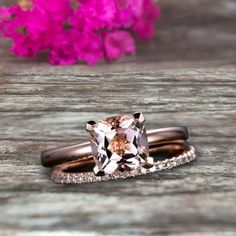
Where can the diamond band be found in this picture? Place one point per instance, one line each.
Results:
(58, 176)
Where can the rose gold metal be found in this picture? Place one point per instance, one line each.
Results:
(157, 139)
(81, 171)
(168, 150)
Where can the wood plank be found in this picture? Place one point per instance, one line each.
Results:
(81, 217)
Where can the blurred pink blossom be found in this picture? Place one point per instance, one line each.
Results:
(78, 30)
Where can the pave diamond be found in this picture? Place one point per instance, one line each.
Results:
(88, 177)
(119, 144)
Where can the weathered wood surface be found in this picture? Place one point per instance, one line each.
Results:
(187, 76)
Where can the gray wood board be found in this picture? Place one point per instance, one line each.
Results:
(186, 76)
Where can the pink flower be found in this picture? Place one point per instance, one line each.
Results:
(144, 26)
(78, 30)
(89, 47)
(63, 50)
(118, 44)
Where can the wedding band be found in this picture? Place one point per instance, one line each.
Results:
(62, 173)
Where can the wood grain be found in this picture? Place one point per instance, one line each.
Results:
(186, 76)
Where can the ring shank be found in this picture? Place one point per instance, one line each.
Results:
(79, 171)
(170, 135)
(163, 151)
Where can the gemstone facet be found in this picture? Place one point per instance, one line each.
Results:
(119, 143)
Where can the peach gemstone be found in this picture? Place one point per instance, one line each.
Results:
(118, 143)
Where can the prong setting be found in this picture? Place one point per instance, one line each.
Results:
(139, 117)
(90, 125)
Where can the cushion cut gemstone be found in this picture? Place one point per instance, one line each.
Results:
(119, 143)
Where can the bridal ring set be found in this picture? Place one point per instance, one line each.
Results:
(119, 147)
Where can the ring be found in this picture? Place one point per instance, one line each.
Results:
(119, 147)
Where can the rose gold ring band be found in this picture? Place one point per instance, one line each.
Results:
(164, 137)
(80, 171)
